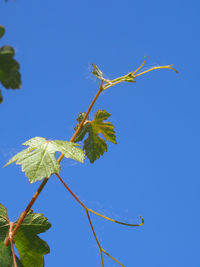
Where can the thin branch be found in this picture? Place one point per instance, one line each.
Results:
(65, 185)
(96, 213)
(112, 258)
(100, 248)
(11, 242)
(86, 210)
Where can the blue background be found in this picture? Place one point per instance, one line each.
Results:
(153, 171)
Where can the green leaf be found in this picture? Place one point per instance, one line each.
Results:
(30, 247)
(9, 68)
(2, 31)
(94, 145)
(6, 258)
(38, 160)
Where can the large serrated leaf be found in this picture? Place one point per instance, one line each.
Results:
(30, 247)
(9, 68)
(38, 160)
(94, 145)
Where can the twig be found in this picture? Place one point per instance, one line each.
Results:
(95, 236)
(86, 210)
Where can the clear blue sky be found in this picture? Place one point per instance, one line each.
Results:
(154, 170)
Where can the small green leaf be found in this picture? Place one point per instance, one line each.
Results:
(2, 31)
(94, 145)
(38, 160)
(30, 247)
(6, 258)
(9, 68)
